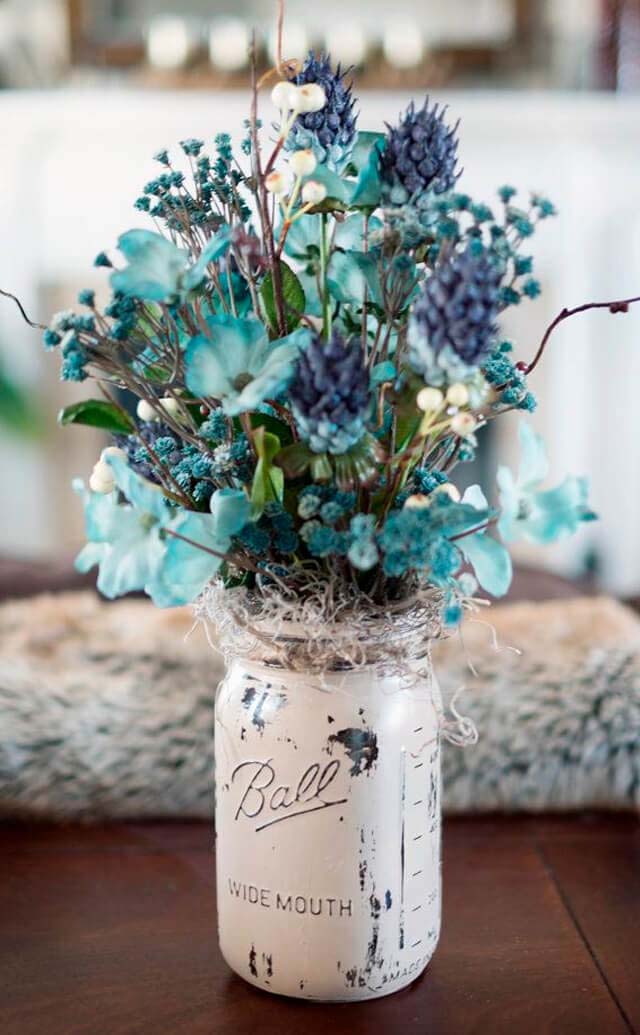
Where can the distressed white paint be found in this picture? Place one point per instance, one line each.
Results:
(328, 841)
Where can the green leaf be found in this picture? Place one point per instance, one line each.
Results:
(98, 413)
(292, 294)
(268, 480)
(295, 459)
(273, 425)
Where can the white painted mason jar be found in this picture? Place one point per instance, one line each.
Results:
(328, 826)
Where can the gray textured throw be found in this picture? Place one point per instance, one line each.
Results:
(106, 710)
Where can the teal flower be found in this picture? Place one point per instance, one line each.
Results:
(155, 269)
(158, 270)
(133, 544)
(186, 568)
(489, 558)
(237, 364)
(124, 538)
(540, 517)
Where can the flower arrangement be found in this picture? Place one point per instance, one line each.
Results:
(312, 337)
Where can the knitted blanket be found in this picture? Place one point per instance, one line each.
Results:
(106, 710)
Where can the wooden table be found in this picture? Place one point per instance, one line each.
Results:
(111, 931)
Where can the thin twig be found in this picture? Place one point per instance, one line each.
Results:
(32, 323)
(619, 306)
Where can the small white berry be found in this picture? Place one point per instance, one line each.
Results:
(303, 162)
(458, 395)
(113, 451)
(463, 424)
(311, 97)
(170, 406)
(276, 183)
(284, 95)
(145, 411)
(447, 489)
(429, 399)
(102, 479)
(417, 502)
(313, 193)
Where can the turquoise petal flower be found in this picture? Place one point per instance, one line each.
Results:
(237, 364)
(489, 558)
(144, 495)
(539, 516)
(124, 540)
(214, 249)
(155, 269)
(186, 569)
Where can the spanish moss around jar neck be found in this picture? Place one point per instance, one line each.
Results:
(319, 633)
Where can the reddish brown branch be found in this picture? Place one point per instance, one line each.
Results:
(616, 306)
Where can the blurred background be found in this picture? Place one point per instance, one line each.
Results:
(548, 92)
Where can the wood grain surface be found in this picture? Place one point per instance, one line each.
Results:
(112, 931)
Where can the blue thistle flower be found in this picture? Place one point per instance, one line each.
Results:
(419, 156)
(330, 395)
(330, 132)
(453, 323)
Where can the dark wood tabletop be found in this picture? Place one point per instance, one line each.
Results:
(112, 931)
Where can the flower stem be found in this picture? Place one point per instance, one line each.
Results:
(324, 263)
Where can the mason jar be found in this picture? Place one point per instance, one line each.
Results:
(328, 821)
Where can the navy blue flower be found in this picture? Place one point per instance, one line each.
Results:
(330, 395)
(453, 324)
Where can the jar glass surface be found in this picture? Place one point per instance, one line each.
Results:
(328, 825)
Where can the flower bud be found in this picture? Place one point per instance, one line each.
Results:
(313, 193)
(284, 95)
(145, 411)
(311, 97)
(303, 162)
(102, 479)
(458, 395)
(429, 400)
(113, 451)
(276, 183)
(463, 424)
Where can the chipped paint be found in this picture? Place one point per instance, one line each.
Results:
(258, 702)
(362, 872)
(361, 747)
